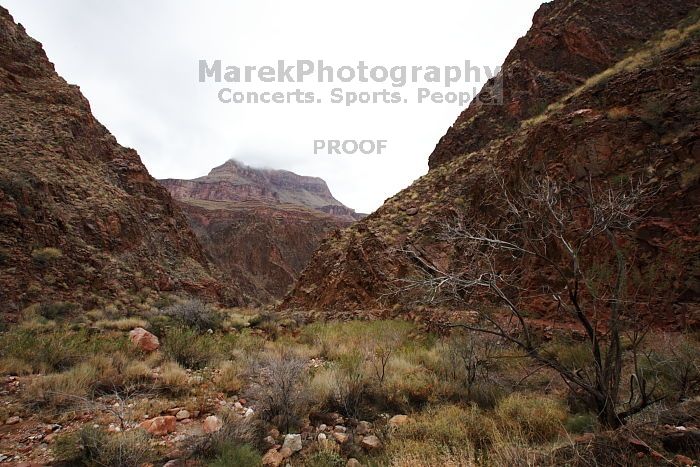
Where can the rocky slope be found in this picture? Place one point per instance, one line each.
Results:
(80, 217)
(634, 117)
(260, 226)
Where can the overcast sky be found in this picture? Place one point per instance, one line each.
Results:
(137, 63)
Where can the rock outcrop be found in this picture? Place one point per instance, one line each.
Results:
(260, 226)
(608, 104)
(81, 219)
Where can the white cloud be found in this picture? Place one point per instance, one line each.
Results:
(137, 63)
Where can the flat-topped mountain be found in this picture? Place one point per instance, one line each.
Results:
(261, 226)
(234, 181)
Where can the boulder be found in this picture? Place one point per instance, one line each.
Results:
(182, 414)
(363, 428)
(341, 438)
(159, 426)
(371, 443)
(144, 340)
(212, 424)
(322, 437)
(286, 453)
(352, 462)
(398, 420)
(293, 442)
(13, 420)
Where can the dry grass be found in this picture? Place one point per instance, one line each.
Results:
(537, 419)
(173, 378)
(123, 324)
(230, 377)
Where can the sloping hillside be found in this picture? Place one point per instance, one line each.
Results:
(81, 220)
(637, 118)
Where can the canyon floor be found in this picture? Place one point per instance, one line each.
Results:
(193, 384)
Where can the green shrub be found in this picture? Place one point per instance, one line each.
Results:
(538, 419)
(326, 455)
(573, 355)
(56, 310)
(93, 446)
(230, 454)
(195, 314)
(581, 423)
(58, 350)
(189, 348)
(45, 256)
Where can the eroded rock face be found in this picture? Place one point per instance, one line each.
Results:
(260, 226)
(640, 121)
(66, 184)
(568, 43)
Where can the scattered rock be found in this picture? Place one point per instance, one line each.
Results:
(322, 427)
(341, 438)
(412, 211)
(322, 437)
(398, 420)
(270, 441)
(249, 412)
(286, 453)
(144, 340)
(363, 428)
(683, 460)
(159, 426)
(340, 429)
(13, 420)
(212, 424)
(293, 442)
(182, 414)
(272, 458)
(371, 442)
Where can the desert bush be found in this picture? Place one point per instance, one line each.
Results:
(573, 355)
(279, 382)
(45, 256)
(324, 454)
(56, 310)
(538, 419)
(98, 375)
(93, 446)
(230, 453)
(195, 314)
(229, 380)
(676, 366)
(57, 350)
(235, 431)
(349, 384)
(335, 339)
(189, 348)
(123, 324)
(440, 435)
(581, 423)
(172, 378)
(407, 385)
(61, 390)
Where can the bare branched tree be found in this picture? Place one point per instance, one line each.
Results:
(554, 232)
